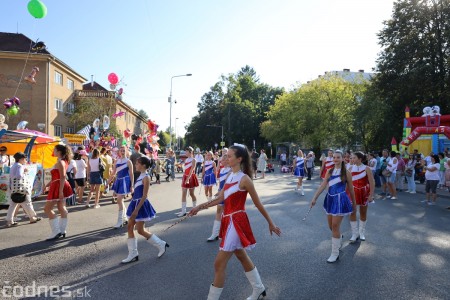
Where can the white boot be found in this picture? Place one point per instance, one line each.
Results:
(56, 232)
(194, 203)
(119, 223)
(158, 243)
(183, 210)
(362, 229)
(355, 236)
(335, 243)
(214, 293)
(209, 198)
(341, 241)
(63, 226)
(133, 254)
(255, 281)
(124, 216)
(301, 191)
(215, 232)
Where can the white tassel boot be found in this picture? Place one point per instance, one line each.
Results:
(56, 232)
(355, 235)
(258, 288)
(119, 223)
(63, 226)
(214, 293)
(133, 254)
(301, 191)
(362, 230)
(183, 210)
(215, 232)
(158, 243)
(335, 243)
(124, 215)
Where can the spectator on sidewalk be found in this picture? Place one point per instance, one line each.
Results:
(309, 164)
(400, 174)
(283, 159)
(409, 173)
(442, 162)
(432, 179)
(199, 162)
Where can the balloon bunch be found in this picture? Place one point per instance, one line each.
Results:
(12, 106)
(2, 122)
(114, 82)
(30, 77)
(153, 137)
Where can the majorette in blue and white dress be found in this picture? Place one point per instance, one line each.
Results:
(122, 185)
(300, 167)
(146, 212)
(337, 202)
(209, 178)
(222, 178)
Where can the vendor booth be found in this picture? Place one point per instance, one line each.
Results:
(38, 147)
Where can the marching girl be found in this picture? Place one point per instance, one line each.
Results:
(124, 176)
(337, 203)
(235, 231)
(223, 174)
(299, 170)
(139, 211)
(327, 164)
(189, 182)
(60, 190)
(209, 174)
(363, 186)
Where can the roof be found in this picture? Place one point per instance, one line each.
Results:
(16, 42)
(93, 86)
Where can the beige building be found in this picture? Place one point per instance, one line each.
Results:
(48, 104)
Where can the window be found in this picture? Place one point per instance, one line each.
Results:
(70, 85)
(70, 108)
(70, 130)
(57, 130)
(58, 78)
(58, 104)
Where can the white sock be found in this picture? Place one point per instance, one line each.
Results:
(194, 203)
(183, 207)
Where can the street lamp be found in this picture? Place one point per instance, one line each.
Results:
(218, 126)
(176, 136)
(170, 101)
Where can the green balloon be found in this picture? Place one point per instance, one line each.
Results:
(124, 142)
(37, 9)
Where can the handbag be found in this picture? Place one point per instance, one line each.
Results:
(386, 173)
(20, 188)
(101, 166)
(408, 172)
(18, 197)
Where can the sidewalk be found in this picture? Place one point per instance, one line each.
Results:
(441, 193)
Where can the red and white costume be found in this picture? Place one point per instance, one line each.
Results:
(235, 230)
(328, 165)
(360, 184)
(193, 181)
(53, 193)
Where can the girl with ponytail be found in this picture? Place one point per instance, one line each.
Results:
(337, 203)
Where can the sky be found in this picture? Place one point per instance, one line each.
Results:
(147, 42)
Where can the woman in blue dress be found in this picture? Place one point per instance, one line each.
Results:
(337, 203)
(123, 175)
(139, 211)
(209, 174)
(299, 171)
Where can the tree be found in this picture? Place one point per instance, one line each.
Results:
(143, 114)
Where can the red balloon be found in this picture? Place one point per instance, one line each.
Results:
(113, 78)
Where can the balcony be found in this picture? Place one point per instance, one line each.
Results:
(93, 94)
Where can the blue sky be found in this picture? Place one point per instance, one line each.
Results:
(148, 42)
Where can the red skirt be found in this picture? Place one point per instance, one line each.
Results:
(192, 183)
(362, 195)
(53, 193)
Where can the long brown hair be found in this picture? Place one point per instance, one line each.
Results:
(343, 169)
(66, 152)
(242, 151)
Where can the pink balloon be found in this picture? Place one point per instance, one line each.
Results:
(113, 78)
(120, 91)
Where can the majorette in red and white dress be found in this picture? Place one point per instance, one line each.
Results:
(193, 181)
(328, 165)
(360, 184)
(53, 193)
(235, 230)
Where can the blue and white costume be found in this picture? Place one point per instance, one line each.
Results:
(223, 176)
(300, 167)
(122, 185)
(337, 202)
(209, 178)
(146, 212)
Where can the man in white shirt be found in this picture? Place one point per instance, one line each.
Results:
(199, 159)
(283, 158)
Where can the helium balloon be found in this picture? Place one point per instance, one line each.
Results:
(16, 101)
(22, 125)
(12, 111)
(106, 122)
(2, 122)
(30, 77)
(96, 124)
(37, 9)
(112, 78)
(120, 91)
(124, 142)
(112, 86)
(127, 133)
(7, 104)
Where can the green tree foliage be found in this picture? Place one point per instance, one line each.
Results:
(414, 65)
(143, 114)
(239, 103)
(318, 114)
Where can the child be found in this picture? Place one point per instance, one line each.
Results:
(208, 174)
(139, 211)
(235, 231)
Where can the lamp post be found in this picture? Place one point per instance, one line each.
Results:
(176, 136)
(170, 101)
(218, 126)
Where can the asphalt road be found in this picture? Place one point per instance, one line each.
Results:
(406, 254)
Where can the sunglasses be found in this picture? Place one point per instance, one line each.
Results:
(2, 150)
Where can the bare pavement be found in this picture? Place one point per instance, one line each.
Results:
(406, 254)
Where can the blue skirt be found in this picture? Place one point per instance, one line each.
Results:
(122, 185)
(299, 172)
(95, 178)
(209, 179)
(338, 204)
(146, 212)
